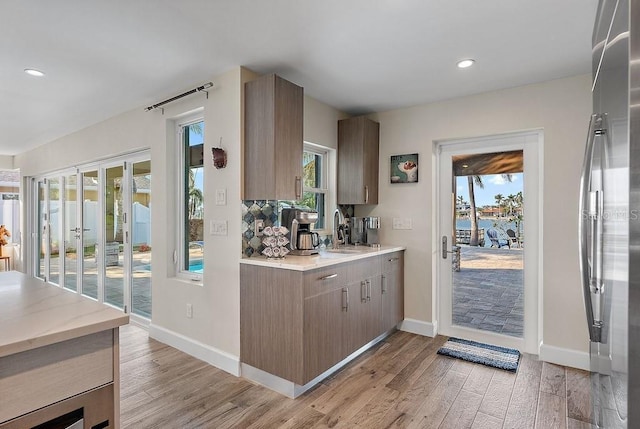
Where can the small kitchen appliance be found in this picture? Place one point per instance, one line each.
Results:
(302, 241)
(371, 227)
(356, 230)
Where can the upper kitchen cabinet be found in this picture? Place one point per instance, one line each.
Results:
(358, 145)
(273, 139)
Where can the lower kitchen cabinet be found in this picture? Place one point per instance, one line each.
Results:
(297, 325)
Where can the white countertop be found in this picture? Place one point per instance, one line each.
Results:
(324, 258)
(35, 314)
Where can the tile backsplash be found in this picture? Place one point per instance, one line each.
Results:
(269, 212)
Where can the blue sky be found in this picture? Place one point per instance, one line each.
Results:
(494, 184)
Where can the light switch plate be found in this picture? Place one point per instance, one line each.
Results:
(221, 197)
(402, 223)
(218, 227)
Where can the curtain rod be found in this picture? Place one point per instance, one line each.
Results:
(177, 97)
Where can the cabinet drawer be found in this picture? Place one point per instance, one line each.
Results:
(392, 262)
(363, 269)
(36, 378)
(325, 279)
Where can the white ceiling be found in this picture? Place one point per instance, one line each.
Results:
(104, 57)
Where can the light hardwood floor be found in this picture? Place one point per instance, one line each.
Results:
(401, 382)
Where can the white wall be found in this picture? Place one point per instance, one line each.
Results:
(562, 109)
(6, 162)
(214, 331)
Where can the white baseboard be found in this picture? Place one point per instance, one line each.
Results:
(419, 327)
(218, 358)
(566, 357)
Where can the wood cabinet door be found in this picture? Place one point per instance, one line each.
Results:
(392, 291)
(370, 161)
(356, 329)
(324, 316)
(273, 139)
(358, 161)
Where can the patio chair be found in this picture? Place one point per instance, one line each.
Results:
(495, 240)
(513, 239)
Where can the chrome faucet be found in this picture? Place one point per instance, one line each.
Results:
(338, 236)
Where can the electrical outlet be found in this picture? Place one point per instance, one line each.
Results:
(258, 227)
(402, 223)
(218, 227)
(189, 311)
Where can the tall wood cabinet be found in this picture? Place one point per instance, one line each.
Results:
(273, 139)
(358, 156)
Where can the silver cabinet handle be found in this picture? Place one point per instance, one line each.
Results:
(363, 291)
(590, 225)
(298, 187)
(345, 299)
(384, 284)
(394, 259)
(330, 276)
(366, 194)
(368, 290)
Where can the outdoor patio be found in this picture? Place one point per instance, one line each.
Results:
(488, 292)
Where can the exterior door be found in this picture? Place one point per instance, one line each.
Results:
(478, 299)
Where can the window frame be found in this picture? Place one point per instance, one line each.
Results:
(182, 240)
(325, 181)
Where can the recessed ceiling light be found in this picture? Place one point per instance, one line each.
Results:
(463, 64)
(34, 72)
(465, 165)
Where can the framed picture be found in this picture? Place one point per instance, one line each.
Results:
(404, 168)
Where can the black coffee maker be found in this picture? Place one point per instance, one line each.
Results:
(302, 241)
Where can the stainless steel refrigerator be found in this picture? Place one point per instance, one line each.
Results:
(610, 217)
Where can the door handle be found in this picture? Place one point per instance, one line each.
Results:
(368, 290)
(298, 186)
(444, 247)
(384, 284)
(366, 194)
(590, 225)
(363, 291)
(345, 299)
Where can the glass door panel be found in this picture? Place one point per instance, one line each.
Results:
(114, 234)
(141, 239)
(90, 188)
(42, 223)
(70, 230)
(54, 230)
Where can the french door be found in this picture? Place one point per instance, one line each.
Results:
(93, 232)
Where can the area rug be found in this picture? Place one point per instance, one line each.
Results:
(485, 354)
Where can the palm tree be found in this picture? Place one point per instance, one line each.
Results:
(499, 201)
(473, 240)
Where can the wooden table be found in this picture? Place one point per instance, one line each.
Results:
(7, 262)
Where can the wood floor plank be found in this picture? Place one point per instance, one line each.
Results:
(414, 369)
(374, 411)
(551, 412)
(437, 404)
(578, 424)
(579, 395)
(479, 379)
(553, 379)
(523, 406)
(463, 367)
(498, 394)
(463, 411)
(485, 421)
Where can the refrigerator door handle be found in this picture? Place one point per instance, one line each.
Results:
(590, 225)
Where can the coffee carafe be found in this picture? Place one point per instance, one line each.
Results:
(302, 241)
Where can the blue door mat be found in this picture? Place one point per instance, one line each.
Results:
(485, 354)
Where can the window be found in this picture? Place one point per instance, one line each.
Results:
(191, 242)
(315, 186)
